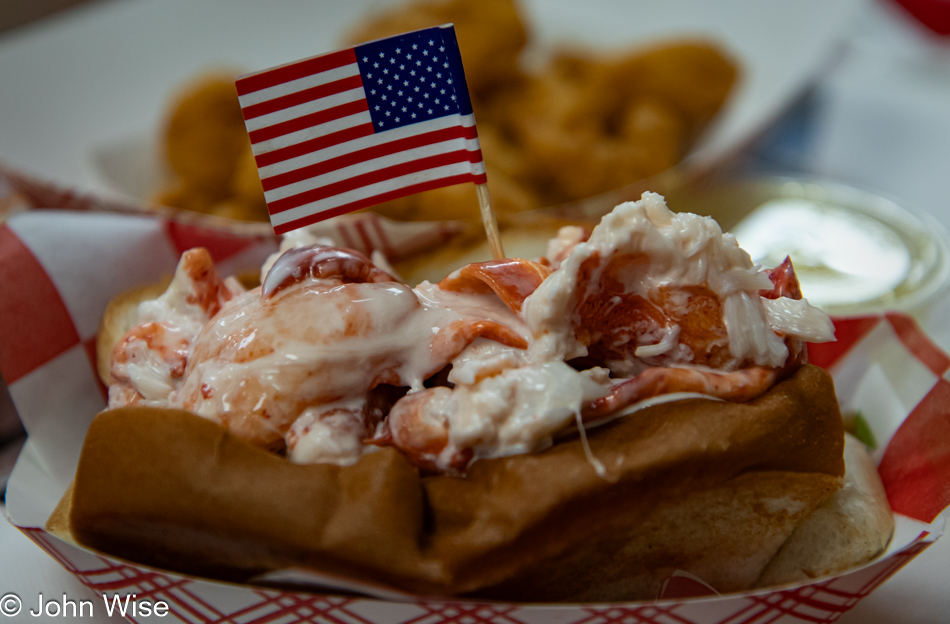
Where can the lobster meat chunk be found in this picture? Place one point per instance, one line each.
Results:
(332, 355)
(292, 365)
(148, 361)
(512, 280)
(665, 302)
(514, 409)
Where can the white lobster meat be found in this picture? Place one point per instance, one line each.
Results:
(332, 356)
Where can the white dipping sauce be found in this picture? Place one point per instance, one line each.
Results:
(839, 255)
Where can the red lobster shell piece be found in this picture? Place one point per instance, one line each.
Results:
(784, 280)
(786, 284)
(329, 263)
(513, 279)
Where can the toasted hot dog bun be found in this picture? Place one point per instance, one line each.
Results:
(708, 487)
(850, 528)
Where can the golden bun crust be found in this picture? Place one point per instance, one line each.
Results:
(850, 528)
(708, 487)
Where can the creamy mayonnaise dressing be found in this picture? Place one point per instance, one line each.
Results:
(682, 249)
(148, 364)
(314, 345)
(297, 367)
(329, 434)
(504, 405)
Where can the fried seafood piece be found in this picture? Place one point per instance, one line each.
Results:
(205, 133)
(206, 149)
(491, 34)
(692, 77)
(589, 123)
(576, 126)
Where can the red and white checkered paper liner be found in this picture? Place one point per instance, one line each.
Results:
(58, 269)
(365, 231)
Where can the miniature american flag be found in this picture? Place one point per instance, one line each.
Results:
(357, 127)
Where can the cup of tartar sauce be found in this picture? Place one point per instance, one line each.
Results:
(854, 251)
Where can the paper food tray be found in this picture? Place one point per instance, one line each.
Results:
(58, 269)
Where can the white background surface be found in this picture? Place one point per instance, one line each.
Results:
(883, 122)
(99, 77)
(880, 119)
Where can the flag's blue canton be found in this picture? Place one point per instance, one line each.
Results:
(413, 77)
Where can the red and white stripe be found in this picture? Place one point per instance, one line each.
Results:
(317, 154)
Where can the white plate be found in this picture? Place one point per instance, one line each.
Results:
(83, 94)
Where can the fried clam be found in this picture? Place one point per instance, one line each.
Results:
(206, 149)
(577, 125)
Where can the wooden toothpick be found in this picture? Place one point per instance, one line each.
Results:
(488, 220)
